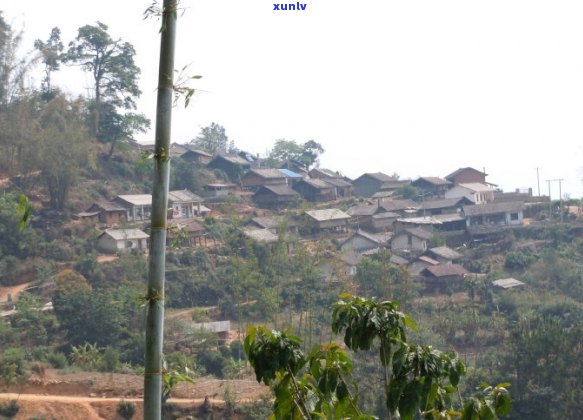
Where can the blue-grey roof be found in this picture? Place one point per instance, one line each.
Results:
(290, 174)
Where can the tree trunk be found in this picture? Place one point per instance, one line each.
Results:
(155, 295)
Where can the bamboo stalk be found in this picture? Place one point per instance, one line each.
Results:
(153, 377)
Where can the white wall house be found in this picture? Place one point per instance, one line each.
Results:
(509, 213)
(116, 240)
(476, 192)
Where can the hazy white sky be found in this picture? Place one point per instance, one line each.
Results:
(414, 87)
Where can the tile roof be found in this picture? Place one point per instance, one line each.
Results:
(441, 204)
(434, 180)
(108, 206)
(460, 170)
(396, 205)
(379, 176)
(419, 233)
(317, 183)
(363, 210)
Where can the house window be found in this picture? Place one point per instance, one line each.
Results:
(513, 216)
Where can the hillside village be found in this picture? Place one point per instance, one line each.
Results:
(361, 216)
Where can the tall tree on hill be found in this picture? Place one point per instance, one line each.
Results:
(50, 52)
(115, 76)
(213, 139)
(12, 68)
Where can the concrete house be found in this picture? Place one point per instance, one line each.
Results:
(466, 176)
(185, 204)
(505, 213)
(122, 240)
(411, 239)
(477, 193)
(138, 206)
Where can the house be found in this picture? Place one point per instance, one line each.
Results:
(477, 193)
(420, 264)
(218, 189)
(432, 185)
(443, 206)
(328, 219)
(384, 221)
(275, 224)
(294, 166)
(255, 178)
(342, 188)
(106, 212)
(445, 255)
(440, 222)
(266, 237)
(177, 150)
(504, 213)
(315, 190)
(361, 214)
(292, 178)
(122, 240)
(185, 204)
(196, 156)
(220, 328)
(404, 207)
(411, 239)
(321, 173)
(444, 277)
(362, 241)
(138, 206)
(185, 232)
(369, 183)
(275, 196)
(233, 166)
(337, 267)
(466, 176)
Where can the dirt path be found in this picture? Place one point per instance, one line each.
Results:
(80, 399)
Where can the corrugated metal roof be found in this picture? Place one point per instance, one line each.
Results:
(125, 234)
(494, 208)
(183, 196)
(446, 252)
(327, 214)
(290, 174)
(137, 199)
(508, 283)
(261, 235)
(476, 187)
(281, 190)
(266, 173)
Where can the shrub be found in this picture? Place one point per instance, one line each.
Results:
(126, 409)
(9, 409)
(57, 360)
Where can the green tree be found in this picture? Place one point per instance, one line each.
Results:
(212, 139)
(306, 154)
(13, 69)
(64, 147)
(418, 380)
(115, 81)
(50, 53)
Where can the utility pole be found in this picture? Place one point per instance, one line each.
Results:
(538, 180)
(560, 199)
(550, 200)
